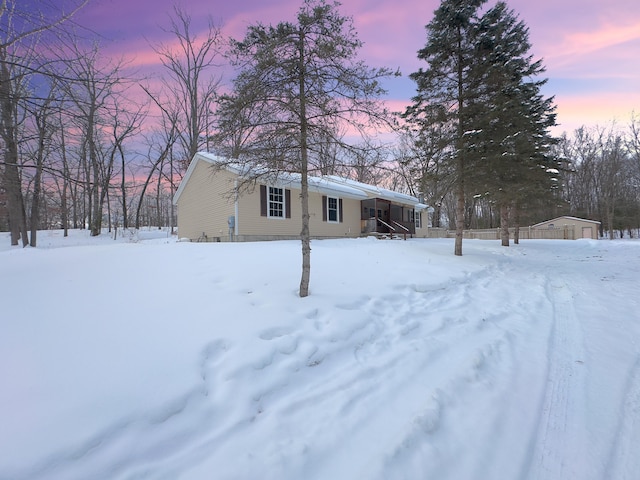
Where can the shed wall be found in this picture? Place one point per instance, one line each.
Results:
(580, 227)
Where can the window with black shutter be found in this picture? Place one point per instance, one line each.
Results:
(331, 209)
(275, 202)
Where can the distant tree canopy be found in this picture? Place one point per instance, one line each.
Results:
(602, 179)
(480, 96)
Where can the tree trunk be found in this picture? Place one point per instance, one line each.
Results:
(123, 187)
(459, 213)
(171, 190)
(516, 221)
(12, 183)
(96, 203)
(504, 224)
(65, 182)
(158, 189)
(459, 153)
(146, 183)
(304, 193)
(37, 189)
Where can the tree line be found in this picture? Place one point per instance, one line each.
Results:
(475, 141)
(602, 179)
(79, 146)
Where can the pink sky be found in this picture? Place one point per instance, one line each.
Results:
(590, 48)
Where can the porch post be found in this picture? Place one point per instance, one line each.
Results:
(375, 209)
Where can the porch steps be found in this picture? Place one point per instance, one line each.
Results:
(386, 236)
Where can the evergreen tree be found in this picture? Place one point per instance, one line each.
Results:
(444, 89)
(482, 86)
(511, 142)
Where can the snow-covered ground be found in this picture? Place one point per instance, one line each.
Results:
(150, 358)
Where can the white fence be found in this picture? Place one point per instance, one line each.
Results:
(566, 232)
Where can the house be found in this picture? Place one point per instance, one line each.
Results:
(212, 206)
(568, 228)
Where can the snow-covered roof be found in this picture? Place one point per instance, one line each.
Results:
(565, 217)
(328, 185)
(377, 192)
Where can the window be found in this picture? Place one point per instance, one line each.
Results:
(416, 217)
(276, 202)
(331, 209)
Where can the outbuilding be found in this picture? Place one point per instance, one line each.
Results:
(567, 228)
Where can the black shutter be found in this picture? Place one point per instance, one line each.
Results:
(324, 208)
(287, 203)
(263, 200)
(340, 209)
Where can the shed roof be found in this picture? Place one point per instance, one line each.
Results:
(567, 218)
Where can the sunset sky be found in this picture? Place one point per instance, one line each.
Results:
(590, 48)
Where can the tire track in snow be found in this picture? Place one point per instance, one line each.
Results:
(482, 441)
(624, 459)
(559, 444)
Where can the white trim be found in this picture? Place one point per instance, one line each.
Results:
(269, 202)
(337, 210)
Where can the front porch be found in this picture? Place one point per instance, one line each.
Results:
(385, 218)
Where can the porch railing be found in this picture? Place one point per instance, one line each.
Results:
(377, 225)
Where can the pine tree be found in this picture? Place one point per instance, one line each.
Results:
(483, 87)
(511, 118)
(444, 88)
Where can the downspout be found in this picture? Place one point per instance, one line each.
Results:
(236, 210)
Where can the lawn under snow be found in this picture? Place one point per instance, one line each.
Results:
(162, 360)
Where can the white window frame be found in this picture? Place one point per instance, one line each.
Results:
(336, 209)
(276, 205)
(417, 218)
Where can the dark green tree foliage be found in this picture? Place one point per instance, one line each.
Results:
(298, 84)
(444, 89)
(512, 163)
(481, 86)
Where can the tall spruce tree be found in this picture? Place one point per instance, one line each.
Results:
(483, 86)
(444, 89)
(512, 164)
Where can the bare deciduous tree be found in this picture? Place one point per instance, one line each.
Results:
(190, 79)
(19, 58)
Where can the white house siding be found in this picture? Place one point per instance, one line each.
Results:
(204, 205)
